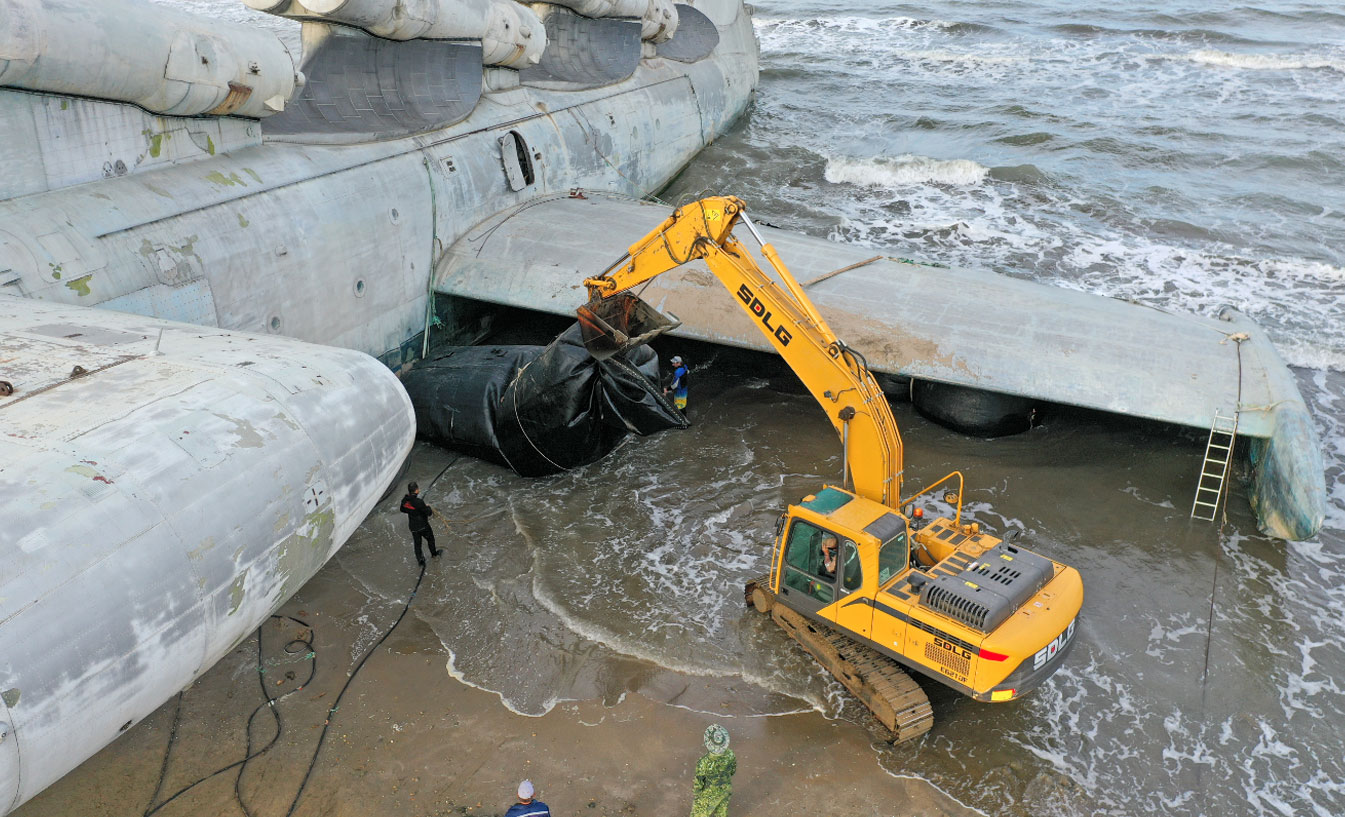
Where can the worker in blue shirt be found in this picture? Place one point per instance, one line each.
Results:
(526, 805)
(678, 386)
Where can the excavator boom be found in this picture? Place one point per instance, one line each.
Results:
(836, 375)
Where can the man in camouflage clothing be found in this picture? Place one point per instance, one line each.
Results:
(714, 775)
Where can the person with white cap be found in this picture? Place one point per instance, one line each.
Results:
(527, 806)
(678, 386)
(713, 783)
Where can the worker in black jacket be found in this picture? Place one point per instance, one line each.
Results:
(418, 519)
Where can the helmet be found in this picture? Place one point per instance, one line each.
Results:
(677, 360)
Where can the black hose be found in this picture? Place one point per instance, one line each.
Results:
(331, 713)
(248, 755)
(441, 473)
(271, 701)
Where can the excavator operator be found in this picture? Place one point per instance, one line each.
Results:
(828, 566)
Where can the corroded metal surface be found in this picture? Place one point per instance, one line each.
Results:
(959, 326)
(161, 504)
(257, 231)
(177, 498)
(182, 64)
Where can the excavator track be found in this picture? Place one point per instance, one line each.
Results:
(892, 695)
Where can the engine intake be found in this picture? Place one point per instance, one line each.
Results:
(989, 590)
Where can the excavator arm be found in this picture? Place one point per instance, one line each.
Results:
(836, 375)
(981, 615)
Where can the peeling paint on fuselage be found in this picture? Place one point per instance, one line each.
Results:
(206, 543)
(248, 436)
(304, 550)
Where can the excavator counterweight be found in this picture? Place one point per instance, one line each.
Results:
(852, 580)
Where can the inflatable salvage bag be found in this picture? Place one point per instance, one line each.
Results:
(538, 409)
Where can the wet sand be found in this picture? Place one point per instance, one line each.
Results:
(409, 739)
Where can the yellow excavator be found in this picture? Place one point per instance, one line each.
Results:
(855, 578)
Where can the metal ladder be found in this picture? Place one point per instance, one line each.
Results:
(1214, 469)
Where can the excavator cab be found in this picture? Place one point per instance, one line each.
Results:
(975, 612)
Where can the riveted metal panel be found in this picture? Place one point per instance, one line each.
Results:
(585, 53)
(695, 39)
(363, 87)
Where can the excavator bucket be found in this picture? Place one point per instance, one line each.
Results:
(622, 322)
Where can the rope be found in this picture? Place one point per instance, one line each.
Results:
(836, 272)
(519, 421)
(294, 646)
(167, 752)
(1237, 338)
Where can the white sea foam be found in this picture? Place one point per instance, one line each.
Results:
(634, 648)
(453, 673)
(904, 171)
(962, 58)
(766, 25)
(957, 215)
(1263, 62)
(1135, 491)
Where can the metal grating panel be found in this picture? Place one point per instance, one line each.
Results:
(941, 598)
(585, 53)
(365, 87)
(939, 655)
(696, 37)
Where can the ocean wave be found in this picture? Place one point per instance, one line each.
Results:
(904, 171)
(954, 214)
(857, 25)
(623, 644)
(1263, 62)
(962, 58)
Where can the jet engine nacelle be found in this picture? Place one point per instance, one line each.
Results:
(511, 34)
(165, 61)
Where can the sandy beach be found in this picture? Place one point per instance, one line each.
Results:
(410, 739)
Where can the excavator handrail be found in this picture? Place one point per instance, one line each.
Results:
(961, 483)
(827, 366)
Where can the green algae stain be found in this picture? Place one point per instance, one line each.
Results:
(236, 593)
(253, 174)
(301, 553)
(209, 145)
(228, 181)
(55, 270)
(242, 222)
(205, 547)
(155, 141)
(80, 285)
(65, 104)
